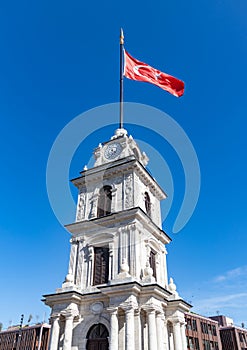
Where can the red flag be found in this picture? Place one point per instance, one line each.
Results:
(136, 70)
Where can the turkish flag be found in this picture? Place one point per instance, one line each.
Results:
(136, 70)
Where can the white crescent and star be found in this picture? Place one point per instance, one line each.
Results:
(136, 71)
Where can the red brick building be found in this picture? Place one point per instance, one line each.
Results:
(202, 333)
(232, 337)
(26, 338)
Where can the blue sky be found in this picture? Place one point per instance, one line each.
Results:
(60, 59)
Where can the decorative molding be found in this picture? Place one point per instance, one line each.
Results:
(93, 206)
(128, 191)
(97, 308)
(81, 206)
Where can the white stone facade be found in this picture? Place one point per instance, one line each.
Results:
(125, 249)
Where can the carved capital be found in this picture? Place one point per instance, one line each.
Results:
(175, 320)
(129, 306)
(150, 307)
(70, 314)
(54, 317)
(112, 310)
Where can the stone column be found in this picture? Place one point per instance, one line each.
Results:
(113, 329)
(152, 333)
(53, 344)
(160, 331)
(177, 335)
(165, 336)
(68, 332)
(138, 331)
(183, 336)
(171, 341)
(130, 329)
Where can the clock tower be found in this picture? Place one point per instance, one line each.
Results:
(116, 294)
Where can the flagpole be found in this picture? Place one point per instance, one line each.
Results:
(121, 79)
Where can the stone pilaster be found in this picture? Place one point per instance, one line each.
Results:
(81, 206)
(72, 259)
(79, 264)
(128, 191)
(111, 254)
(132, 250)
(90, 266)
(93, 206)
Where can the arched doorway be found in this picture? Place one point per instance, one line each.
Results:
(97, 337)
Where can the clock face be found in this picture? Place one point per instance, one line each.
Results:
(112, 150)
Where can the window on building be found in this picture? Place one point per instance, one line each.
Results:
(197, 346)
(101, 265)
(241, 337)
(194, 326)
(187, 338)
(152, 262)
(193, 343)
(204, 327)
(206, 344)
(147, 203)
(104, 201)
(214, 330)
(189, 325)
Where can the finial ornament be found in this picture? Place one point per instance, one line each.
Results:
(119, 132)
(121, 37)
(173, 289)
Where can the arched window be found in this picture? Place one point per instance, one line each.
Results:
(147, 203)
(104, 202)
(98, 337)
(152, 262)
(101, 265)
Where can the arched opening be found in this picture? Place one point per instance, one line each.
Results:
(147, 203)
(101, 265)
(97, 337)
(104, 201)
(152, 262)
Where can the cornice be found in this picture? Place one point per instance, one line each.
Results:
(125, 217)
(178, 304)
(108, 170)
